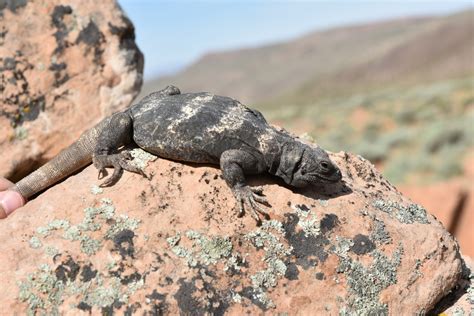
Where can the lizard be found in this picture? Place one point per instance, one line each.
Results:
(194, 128)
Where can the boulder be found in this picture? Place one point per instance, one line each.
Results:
(173, 244)
(452, 202)
(460, 300)
(64, 65)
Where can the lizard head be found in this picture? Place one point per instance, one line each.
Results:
(302, 165)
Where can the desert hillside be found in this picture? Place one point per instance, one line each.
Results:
(335, 61)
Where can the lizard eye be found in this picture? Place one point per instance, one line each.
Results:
(324, 165)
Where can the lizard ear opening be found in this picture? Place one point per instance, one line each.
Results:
(289, 162)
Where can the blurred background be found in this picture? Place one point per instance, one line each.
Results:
(390, 80)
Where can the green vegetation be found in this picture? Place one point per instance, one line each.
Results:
(415, 134)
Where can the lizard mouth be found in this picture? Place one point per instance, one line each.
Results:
(333, 178)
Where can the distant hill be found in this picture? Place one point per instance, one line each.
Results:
(340, 60)
(400, 93)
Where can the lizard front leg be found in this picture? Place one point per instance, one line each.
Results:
(116, 134)
(234, 164)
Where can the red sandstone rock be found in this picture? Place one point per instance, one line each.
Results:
(460, 300)
(452, 202)
(174, 244)
(64, 65)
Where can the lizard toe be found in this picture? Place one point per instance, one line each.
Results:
(256, 209)
(241, 212)
(118, 171)
(261, 199)
(257, 190)
(247, 196)
(102, 174)
(119, 162)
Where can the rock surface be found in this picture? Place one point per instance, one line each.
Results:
(452, 202)
(174, 244)
(64, 64)
(460, 301)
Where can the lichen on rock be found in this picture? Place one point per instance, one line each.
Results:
(44, 291)
(155, 249)
(76, 60)
(405, 214)
(366, 283)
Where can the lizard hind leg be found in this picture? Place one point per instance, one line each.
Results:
(117, 133)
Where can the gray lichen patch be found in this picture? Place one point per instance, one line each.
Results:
(51, 251)
(204, 250)
(268, 278)
(199, 250)
(93, 215)
(90, 246)
(366, 283)
(120, 224)
(404, 214)
(307, 221)
(343, 245)
(95, 189)
(276, 253)
(173, 240)
(72, 233)
(42, 291)
(212, 249)
(104, 294)
(55, 224)
(46, 289)
(323, 203)
(35, 242)
(269, 237)
(141, 158)
(21, 133)
(94, 219)
(379, 234)
(234, 262)
(458, 311)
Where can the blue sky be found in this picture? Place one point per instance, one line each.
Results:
(175, 33)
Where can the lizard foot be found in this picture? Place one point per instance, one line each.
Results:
(119, 162)
(250, 196)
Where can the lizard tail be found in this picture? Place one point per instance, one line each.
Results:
(68, 161)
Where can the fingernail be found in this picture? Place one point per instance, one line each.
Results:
(9, 202)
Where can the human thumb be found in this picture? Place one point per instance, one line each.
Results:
(9, 202)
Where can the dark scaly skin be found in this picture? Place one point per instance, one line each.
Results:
(199, 128)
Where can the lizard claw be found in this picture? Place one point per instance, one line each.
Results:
(250, 196)
(102, 174)
(119, 162)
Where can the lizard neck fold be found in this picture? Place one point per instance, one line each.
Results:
(274, 150)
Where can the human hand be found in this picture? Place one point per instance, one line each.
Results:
(9, 200)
